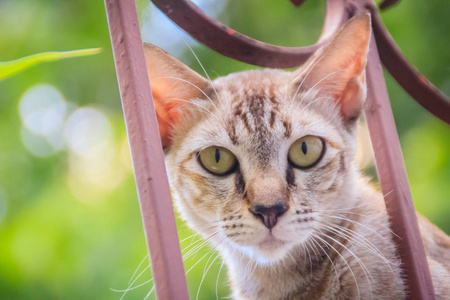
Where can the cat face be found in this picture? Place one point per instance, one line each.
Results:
(257, 158)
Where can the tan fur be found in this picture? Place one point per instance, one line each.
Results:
(334, 241)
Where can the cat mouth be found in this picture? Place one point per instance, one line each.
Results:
(271, 249)
(271, 242)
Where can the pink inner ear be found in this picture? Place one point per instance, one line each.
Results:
(359, 62)
(166, 112)
(350, 99)
(339, 67)
(170, 80)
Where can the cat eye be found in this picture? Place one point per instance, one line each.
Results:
(217, 160)
(306, 151)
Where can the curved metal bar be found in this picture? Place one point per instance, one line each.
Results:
(388, 4)
(243, 48)
(298, 2)
(389, 160)
(414, 83)
(338, 12)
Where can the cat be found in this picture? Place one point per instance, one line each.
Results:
(261, 163)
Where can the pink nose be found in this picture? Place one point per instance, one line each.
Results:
(269, 214)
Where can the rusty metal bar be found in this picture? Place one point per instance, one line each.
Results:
(235, 45)
(148, 159)
(298, 2)
(388, 155)
(414, 83)
(238, 46)
(388, 4)
(337, 14)
(394, 181)
(144, 138)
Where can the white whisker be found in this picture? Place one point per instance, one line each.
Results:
(307, 74)
(331, 261)
(206, 73)
(204, 274)
(362, 265)
(354, 222)
(142, 261)
(314, 101)
(188, 82)
(134, 287)
(217, 281)
(149, 293)
(345, 261)
(198, 105)
(317, 83)
(361, 240)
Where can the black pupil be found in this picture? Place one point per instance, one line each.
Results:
(217, 155)
(304, 148)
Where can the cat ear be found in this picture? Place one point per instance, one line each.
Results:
(173, 84)
(337, 69)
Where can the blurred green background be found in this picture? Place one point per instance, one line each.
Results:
(70, 226)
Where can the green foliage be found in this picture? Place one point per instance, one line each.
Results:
(9, 68)
(71, 228)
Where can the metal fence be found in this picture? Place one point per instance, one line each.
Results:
(148, 158)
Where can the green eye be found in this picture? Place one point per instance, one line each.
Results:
(217, 160)
(306, 151)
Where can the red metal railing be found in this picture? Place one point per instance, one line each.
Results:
(154, 196)
(146, 151)
(240, 47)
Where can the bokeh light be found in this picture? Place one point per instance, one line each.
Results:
(93, 163)
(88, 133)
(36, 144)
(43, 111)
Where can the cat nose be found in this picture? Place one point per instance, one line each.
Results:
(269, 214)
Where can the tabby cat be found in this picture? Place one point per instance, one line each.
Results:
(261, 163)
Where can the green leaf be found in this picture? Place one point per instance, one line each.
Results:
(9, 68)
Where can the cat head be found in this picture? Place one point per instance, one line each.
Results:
(257, 158)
